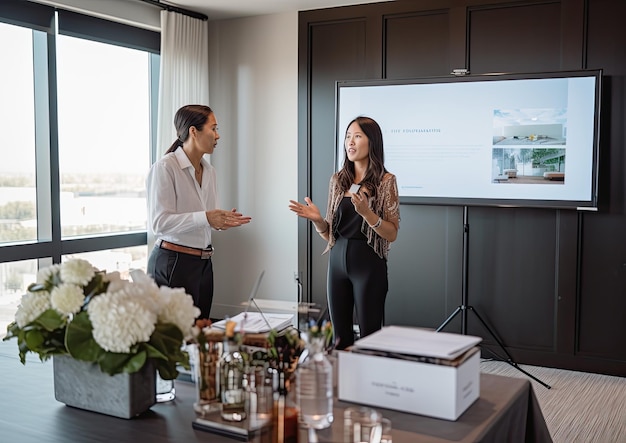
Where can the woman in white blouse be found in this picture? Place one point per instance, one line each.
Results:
(183, 208)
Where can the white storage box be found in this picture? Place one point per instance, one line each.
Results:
(435, 390)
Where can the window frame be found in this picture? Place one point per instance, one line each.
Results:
(44, 21)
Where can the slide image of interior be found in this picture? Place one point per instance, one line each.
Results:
(528, 165)
(535, 127)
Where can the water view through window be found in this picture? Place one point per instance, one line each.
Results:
(103, 104)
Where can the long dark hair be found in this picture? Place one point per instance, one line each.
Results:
(185, 118)
(376, 165)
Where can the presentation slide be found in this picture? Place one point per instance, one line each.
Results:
(513, 139)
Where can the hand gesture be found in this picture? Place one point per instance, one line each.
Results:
(308, 210)
(222, 219)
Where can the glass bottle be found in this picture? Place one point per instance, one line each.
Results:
(232, 389)
(314, 385)
(285, 417)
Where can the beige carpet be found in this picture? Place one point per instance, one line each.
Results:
(580, 407)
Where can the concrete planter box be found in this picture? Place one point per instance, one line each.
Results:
(83, 385)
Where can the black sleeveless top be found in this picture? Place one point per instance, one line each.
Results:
(349, 222)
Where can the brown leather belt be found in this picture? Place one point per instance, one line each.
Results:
(204, 254)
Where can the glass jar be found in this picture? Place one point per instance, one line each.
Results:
(314, 386)
(165, 390)
(362, 424)
(232, 389)
(205, 359)
(260, 393)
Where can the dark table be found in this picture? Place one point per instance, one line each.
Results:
(507, 411)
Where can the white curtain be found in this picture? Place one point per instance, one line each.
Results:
(184, 73)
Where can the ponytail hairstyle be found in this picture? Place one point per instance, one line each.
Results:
(185, 118)
(376, 165)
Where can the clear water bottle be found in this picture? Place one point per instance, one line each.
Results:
(314, 386)
(231, 372)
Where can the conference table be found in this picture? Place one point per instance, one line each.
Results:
(506, 411)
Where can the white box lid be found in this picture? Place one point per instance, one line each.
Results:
(418, 341)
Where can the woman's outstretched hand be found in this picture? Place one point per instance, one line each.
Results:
(222, 219)
(308, 210)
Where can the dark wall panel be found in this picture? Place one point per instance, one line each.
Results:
(515, 38)
(425, 266)
(603, 281)
(512, 272)
(603, 289)
(417, 45)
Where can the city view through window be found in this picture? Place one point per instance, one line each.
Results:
(103, 110)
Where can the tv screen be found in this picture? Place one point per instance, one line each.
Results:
(485, 140)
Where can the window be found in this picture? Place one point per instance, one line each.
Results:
(18, 221)
(78, 102)
(104, 136)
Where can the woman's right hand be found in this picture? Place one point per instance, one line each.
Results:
(308, 211)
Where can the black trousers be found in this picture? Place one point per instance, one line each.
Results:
(178, 270)
(357, 278)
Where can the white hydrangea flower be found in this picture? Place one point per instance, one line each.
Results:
(115, 281)
(67, 298)
(31, 306)
(121, 319)
(145, 291)
(44, 275)
(144, 281)
(178, 308)
(77, 271)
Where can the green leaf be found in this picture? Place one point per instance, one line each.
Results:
(167, 369)
(13, 330)
(114, 363)
(136, 362)
(165, 350)
(50, 320)
(166, 336)
(168, 339)
(154, 352)
(33, 339)
(79, 339)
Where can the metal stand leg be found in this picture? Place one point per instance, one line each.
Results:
(464, 307)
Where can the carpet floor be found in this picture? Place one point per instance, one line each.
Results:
(580, 407)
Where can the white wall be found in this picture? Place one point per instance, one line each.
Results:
(253, 74)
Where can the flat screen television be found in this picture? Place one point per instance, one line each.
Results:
(521, 140)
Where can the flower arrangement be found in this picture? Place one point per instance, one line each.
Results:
(323, 332)
(284, 348)
(94, 316)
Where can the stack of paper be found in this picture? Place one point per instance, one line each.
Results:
(257, 322)
(401, 340)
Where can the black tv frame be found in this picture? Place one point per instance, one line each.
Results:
(588, 204)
